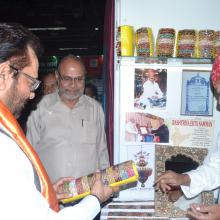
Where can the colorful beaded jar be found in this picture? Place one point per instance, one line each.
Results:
(144, 42)
(186, 43)
(217, 44)
(165, 42)
(206, 43)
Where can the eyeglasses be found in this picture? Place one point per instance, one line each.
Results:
(35, 83)
(69, 80)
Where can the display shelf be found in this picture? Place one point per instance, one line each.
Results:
(172, 77)
(204, 63)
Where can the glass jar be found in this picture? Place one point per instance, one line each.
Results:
(206, 43)
(165, 42)
(125, 41)
(144, 42)
(217, 44)
(186, 43)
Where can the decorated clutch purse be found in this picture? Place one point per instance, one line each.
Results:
(116, 175)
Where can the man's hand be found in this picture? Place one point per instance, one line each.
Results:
(170, 179)
(204, 212)
(101, 191)
(58, 187)
(174, 195)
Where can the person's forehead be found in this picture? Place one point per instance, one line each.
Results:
(32, 68)
(151, 72)
(49, 77)
(71, 67)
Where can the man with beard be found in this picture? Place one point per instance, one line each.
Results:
(25, 188)
(67, 128)
(151, 89)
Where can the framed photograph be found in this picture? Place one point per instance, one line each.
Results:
(150, 88)
(191, 131)
(145, 127)
(178, 159)
(197, 96)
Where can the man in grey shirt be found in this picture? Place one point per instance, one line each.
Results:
(67, 128)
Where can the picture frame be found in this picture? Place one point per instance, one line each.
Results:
(145, 127)
(167, 153)
(143, 156)
(196, 95)
(150, 88)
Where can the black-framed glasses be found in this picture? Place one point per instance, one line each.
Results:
(35, 82)
(69, 80)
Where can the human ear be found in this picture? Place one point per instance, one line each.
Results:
(56, 75)
(4, 74)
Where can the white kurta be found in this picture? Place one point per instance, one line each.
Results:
(151, 89)
(207, 176)
(131, 131)
(70, 142)
(19, 197)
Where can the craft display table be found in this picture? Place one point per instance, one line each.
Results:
(131, 210)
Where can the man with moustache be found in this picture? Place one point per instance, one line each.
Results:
(25, 188)
(67, 128)
(49, 83)
(151, 89)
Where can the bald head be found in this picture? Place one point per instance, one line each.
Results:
(71, 60)
(151, 72)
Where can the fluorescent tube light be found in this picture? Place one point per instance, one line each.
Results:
(73, 48)
(48, 29)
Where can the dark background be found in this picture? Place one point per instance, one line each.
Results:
(83, 21)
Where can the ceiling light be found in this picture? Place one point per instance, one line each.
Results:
(48, 29)
(96, 28)
(73, 48)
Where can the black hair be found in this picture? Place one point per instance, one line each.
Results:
(93, 88)
(52, 72)
(14, 42)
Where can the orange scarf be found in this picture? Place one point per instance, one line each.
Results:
(12, 126)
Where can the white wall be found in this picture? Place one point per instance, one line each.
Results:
(186, 14)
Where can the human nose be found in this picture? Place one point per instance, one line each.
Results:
(49, 90)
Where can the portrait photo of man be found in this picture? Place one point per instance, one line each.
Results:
(150, 88)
